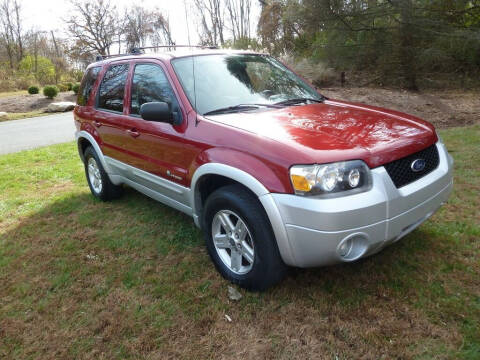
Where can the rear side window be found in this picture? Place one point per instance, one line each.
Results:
(112, 88)
(151, 84)
(87, 85)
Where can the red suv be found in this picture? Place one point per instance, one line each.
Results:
(274, 173)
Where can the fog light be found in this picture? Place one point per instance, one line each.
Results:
(353, 247)
(345, 248)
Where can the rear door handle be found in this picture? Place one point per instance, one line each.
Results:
(97, 124)
(133, 133)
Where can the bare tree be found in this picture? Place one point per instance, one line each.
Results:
(11, 36)
(212, 21)
(18, 28)
(142, 26)
(93, 25)
(239, 14)
(57, 57)
(35, 40)
(218, 19)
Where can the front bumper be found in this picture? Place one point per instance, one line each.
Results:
(313, 232)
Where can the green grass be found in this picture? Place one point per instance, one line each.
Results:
(18, 116)
(131, 279)
(5, 94)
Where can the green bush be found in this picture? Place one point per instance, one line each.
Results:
(50, 91)
(62, 87)
(69, 86)
(33, 89)
(75, 87)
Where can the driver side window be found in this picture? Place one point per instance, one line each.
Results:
(150, 84)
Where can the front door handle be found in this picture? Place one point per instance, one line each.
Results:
(97, 124)
(133, 133)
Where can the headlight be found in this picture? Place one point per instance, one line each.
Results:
(330, 180)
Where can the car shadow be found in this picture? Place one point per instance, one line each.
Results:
(149, 229)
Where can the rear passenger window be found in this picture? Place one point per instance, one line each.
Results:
(87, 85)
(112, 88)
(150, 84)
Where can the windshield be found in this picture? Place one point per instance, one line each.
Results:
(229, 80)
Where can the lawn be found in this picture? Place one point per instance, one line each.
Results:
(5, 94)
(30, 114)
(131, 279)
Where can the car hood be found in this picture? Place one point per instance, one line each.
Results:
(338, 130)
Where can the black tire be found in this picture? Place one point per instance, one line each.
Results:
(268, 267)
(108, 190)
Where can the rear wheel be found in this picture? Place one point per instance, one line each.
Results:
(97, 178)
(240, 240)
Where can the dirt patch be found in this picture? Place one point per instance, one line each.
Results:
(38, 102)
(442, 108)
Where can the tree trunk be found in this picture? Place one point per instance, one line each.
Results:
(407, 42)
(57, 54)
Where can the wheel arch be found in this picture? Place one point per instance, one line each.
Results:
(225, 174)
(210, 176)
(84, 139)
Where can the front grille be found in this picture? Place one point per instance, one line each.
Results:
(400, 170)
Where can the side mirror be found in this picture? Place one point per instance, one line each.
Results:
(157, 111)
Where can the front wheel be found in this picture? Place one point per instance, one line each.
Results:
(240, 240)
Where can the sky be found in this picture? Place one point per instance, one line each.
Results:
(48, 14)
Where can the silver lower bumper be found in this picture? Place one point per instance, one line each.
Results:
(313, 232)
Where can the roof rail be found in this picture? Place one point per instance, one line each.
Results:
(103, 57)
(139, 50)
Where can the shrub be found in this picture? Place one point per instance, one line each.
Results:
(69, 86)
(77, 75)
(7, 85)
(62, 87)
(33, 89)
(50, 91)
(22, 82)
(75, 87)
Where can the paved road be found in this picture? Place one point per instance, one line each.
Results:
(34, 132)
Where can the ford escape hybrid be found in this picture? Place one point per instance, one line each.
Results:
(274, 173)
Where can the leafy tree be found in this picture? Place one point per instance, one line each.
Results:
(45, 72)
(400, 40)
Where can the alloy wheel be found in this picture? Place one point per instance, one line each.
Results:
(233, 242)
(94, 175)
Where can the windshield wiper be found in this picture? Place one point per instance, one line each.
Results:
(239, 107)
(299, 101)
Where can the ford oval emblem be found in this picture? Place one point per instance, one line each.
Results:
(418, 165)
